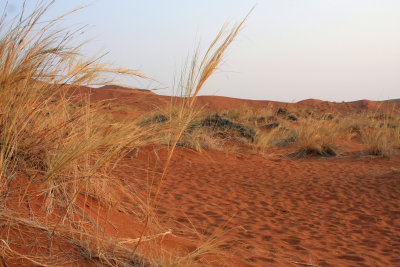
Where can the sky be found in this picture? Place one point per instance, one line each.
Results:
(289, 50)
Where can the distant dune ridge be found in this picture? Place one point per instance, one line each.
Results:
(130, 96)
(397, 100)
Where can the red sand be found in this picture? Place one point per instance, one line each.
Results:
(146, 100)
(274, 211)
(277, 211)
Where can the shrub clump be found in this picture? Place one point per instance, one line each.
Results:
(155, 118)
(316, 137)
(218, 123)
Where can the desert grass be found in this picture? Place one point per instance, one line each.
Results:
(204, 131)
(201, 139)
(62, 154)
(380, 134)
(65, 153)
(304, 131)
(264, 140)
(193, 137)
(309, 134)
(193, 78)
(316, 137)
(251, 115)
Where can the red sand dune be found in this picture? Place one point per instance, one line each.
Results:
(274, 211)
(278, 211)
(146, 100)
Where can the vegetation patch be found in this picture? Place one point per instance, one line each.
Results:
(222, 125)
(154, 118)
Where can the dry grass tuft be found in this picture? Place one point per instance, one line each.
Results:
(316, 137)
(192, 80)
(381, 135)
(64, 151)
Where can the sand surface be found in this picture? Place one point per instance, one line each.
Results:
(268, 210)
(147, 100)
(273, 210)
(279, 212)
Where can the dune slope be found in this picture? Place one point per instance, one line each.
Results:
(277, 211)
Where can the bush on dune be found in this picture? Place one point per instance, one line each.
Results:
(316, 137)
(381, 135)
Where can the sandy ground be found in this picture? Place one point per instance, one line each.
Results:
(274, 210)
(278, 211)
(265, 210)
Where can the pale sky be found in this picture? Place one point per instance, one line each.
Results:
(289, 50)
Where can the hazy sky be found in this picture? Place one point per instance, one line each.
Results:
(289, 50)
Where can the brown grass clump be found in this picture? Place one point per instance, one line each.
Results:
(380, 134)
(267, 139)
(201, 139)
(63, 153)
(251, 115)
(316, 137)
(183, 113)
(304, 130)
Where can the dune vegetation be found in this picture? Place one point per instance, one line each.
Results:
(60, 152)
(302, 132)
(57, 149)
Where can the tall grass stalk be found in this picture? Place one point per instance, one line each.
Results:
(34, 60)
(192, 80)
(67, 150)
(63, 148)
(380, 136)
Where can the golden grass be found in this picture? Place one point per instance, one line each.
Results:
(316, 137)
(250, 115)
(66, 152)
(323, 134)
(192, 80)
(264, 140)
(312, 133)
(380, 134)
